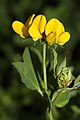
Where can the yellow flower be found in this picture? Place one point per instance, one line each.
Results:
(55, 32)
(37, 28)
(22, 29)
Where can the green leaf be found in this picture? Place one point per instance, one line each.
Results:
(40, 79)
(75, 109)
(55, 59)
(37, 52)
(77, 80)
(77, 85)
(62, 65)
(61, 98)
(26, 57)
(26, 71)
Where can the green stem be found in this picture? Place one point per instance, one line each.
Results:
(50, 111)
(44, 66)
(51, 115)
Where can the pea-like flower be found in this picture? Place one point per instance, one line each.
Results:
(34, 27)
(22, 29)
(37, 28)
(55, 32)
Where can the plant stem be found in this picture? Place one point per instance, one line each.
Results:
(50, 112)
(51, 115)
(44, 66)
(45, 79)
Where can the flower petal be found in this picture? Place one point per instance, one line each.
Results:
(54, 25)
(20, 28)
(40, 22)
(29, 21)
(63, 38)
(34, 32)
(51, 38)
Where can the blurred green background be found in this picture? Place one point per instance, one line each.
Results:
(16, 101)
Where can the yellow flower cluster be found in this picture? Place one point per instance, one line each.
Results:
(38, 28)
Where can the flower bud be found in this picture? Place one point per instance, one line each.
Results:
(65, 77)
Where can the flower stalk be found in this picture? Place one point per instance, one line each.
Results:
(50, 115)
(44, 66)
(49, 112)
